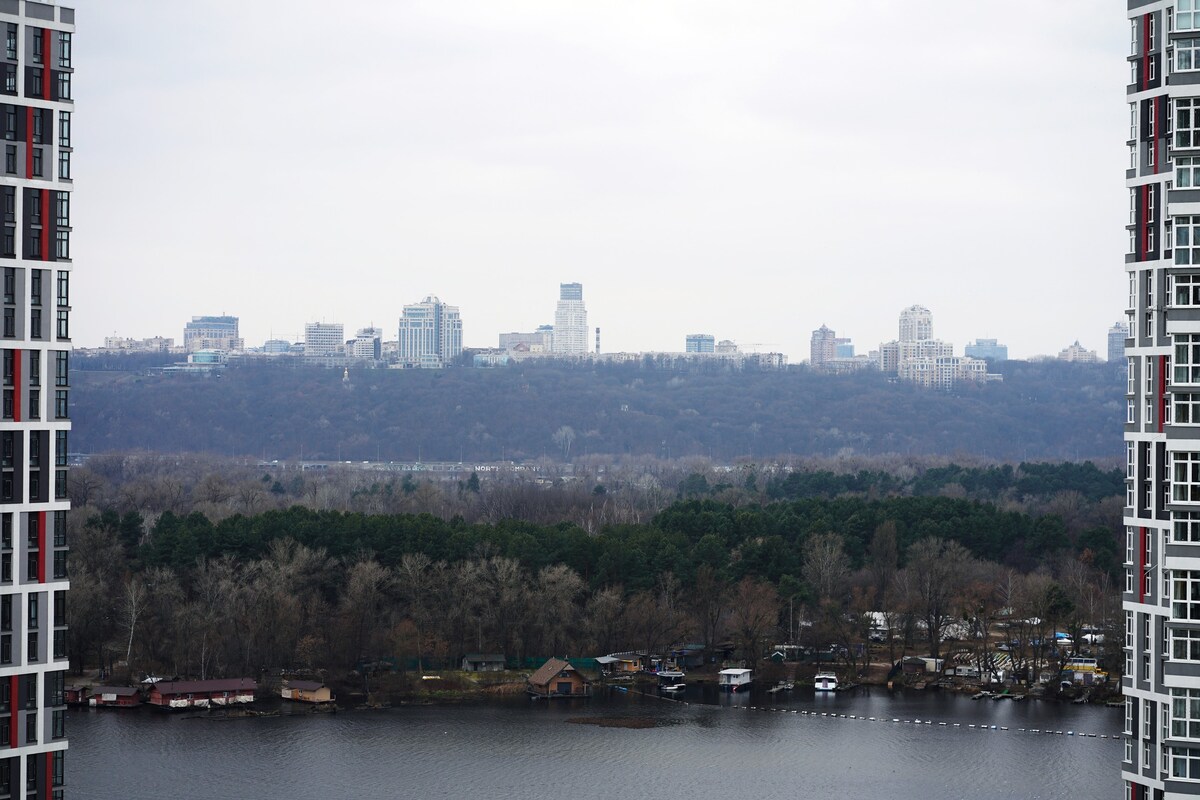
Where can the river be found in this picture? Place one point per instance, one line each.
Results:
(709, 747)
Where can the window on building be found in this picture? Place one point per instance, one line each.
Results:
(35, 323)
(1185, 763)
(62, 245)
(60, 533)
(64, 129)
(30, 729)
(60, 448)
(37, 162)
(64, 164)
(63, 327)
(1187, 121)
(56, 767)
(58, 721)
(60, 565)
(64, 86)
(1185, 646)
(1185, 477)
(10, 78)
(1185, 595)
(1187, 15)
(1185, 714)
(1187, 239)
(64, 288)
(1187, 55)
(10, 41)
(62, 365)
(62, 210)
(10, 159)
(31, 641)
(1186, 366)
(64, 49)
(59, 639)
(61, 407)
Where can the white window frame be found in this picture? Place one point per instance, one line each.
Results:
(1185, 595)
(1186, 18)
(1185, 764)
(1187, 55)
(1185, 644)
(1185, 363)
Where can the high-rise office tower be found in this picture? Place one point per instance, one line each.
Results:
(698, 343)
(570, 320)
(430, 334)
(324, 339)
(35, 255)
(1161, 601)
(822, 347)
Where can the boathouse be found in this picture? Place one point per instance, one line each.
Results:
(306, 692)
(483, 662)
(732, 680)
(114, 697)
(203, 694)
(76, 695)
(557, 678)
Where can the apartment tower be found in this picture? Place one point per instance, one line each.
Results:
(35, 255)
(1161, 600)
(430, 334)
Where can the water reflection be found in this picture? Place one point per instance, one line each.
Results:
(518, 749)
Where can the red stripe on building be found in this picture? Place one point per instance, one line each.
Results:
(16, 386)
(1145, 222)
(1141, 588)
(1162, 391)
(49, 772)
(43, 554)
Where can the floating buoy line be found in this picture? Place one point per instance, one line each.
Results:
(1115, 737)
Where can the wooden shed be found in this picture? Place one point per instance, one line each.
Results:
(483, 662)
(114, 697)
(557, 678)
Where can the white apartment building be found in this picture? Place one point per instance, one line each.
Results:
(324, 339)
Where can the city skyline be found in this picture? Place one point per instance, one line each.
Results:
(679, 163)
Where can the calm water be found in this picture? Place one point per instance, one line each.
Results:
(518, 749)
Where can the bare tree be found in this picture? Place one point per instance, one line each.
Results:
(937, 568)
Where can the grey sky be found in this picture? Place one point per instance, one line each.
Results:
(750, 170)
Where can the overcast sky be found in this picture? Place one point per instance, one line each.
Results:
(750, 170)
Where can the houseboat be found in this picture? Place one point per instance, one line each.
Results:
(557, 678)
(203, 694)
(114, 697)
(733, 680)
(825, 682)
(306, 692)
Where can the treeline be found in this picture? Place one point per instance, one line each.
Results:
(325, 589)
(1041, 411)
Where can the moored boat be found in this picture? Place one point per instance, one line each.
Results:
(825, 682)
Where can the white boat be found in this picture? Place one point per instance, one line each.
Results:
(825, 682)
(675, 687)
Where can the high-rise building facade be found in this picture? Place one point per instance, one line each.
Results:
(367, 343)
(35, 256)
(698, 343)
(212, 333)
(430, 334)
(1117, 335)
(916, 324)
(324, 339)
(1161, 600)
(570, 320)
(991, 350)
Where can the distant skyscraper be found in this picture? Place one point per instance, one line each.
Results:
(700, 343)
(822, 347)
(570, 320)
(916, 324)
(324, 339)
(989, 349)
(430, 334)
(1117, 335)
(212, 333)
